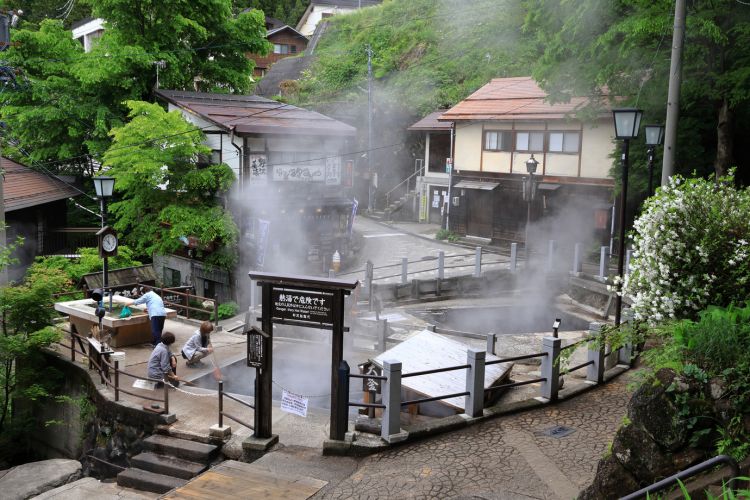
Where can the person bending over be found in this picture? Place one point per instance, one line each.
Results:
(162, 365)
(156, 313)
(199, 345)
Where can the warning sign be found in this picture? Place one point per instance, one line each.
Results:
(294, 403)
(302, 305)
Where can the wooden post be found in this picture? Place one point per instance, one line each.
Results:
(221, 403)
(117, 380)
(216, 312)
(187, 304)
(263, 395)
(166, 397)
(72, 345)
(338, 425)
(342, 415)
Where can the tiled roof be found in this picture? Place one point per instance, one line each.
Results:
(252, 114)
(430, 122)
(518, 98)
(285, 28)
(24, 187)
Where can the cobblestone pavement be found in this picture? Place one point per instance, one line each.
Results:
(505, 458)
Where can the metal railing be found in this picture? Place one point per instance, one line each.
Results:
(109, 372)
(223, 413)
(684, 474)
(417, 171)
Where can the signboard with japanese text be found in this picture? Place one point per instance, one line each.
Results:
(302, 305)
(256, 169)
(370, 384)
(333, 171)
(294, 403)
(254, 350)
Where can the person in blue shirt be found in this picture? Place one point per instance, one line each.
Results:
(156, 313)
(162, 364)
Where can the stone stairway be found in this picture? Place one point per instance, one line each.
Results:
(166, 463)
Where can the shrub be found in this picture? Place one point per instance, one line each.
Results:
(445, 234)
(690, 250)
(227, 310)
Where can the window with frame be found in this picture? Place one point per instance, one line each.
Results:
(293, 49)
(564, 142)
(497, 140)
(280, 48)
(530, 141)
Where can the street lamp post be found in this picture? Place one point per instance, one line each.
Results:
(104, 187)
(529, 193)
(627, 123)
(654, 137)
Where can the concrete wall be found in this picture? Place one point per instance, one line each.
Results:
(307, 28)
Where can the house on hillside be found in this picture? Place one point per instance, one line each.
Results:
(286, 41)
(88, 31)
(292, 200)
(35, 209)
(499, 128)
(323, 9)
(432, 185)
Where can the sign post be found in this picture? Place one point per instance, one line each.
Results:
(300, 301)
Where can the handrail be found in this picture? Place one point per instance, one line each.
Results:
(516, 358)
(435, 370)
(689, 472)
(223, 414)
(577, 367)
(408, 179)
(435, 398)
(515, 384)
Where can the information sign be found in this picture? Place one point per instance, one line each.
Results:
(255, 348)
(302, 305)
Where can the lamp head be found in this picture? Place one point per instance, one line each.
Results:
(627, 122)
(531, 165)
(104, 186)
(654, 135)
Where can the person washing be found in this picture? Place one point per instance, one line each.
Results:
(199, 345)
(162, 364)
(156, 313)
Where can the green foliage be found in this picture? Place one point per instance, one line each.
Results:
(289, 11)
(227, 310)
(427, 54)
(446, 234)
(607, 49)
(165, 197)
(69, 100)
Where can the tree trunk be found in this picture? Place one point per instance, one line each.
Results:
(724, 140)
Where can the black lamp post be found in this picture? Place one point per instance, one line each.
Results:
(654, 137)
(627, 123)
(104, 187)
(529, 194)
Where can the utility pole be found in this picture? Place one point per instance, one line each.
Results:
(371, 183)
(673, 97)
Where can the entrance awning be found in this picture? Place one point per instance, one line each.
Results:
(548, 187)
(486, 186)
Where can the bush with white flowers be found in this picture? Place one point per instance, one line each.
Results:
(690, 250)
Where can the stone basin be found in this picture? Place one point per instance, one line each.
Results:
(133, 330)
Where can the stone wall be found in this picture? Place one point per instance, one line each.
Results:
(89, 424)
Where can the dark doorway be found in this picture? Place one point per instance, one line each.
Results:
(434, 208)
(479, 213)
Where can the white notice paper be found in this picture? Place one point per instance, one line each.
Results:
(294, 403)
(144, 384)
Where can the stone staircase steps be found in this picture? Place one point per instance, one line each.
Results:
(166, 463)
(170, 466)
(144, 480)
(180, 448)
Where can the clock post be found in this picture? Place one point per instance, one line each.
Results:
(104, 187)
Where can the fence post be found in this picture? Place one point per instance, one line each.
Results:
(369, 271)
(72, 345)
(221, 403)
(404, 270)
(474, 402)
(491, 342)
(577, 261)
(551, 368)
(513, 257)
(117, 357)
(216, 312)
(391, 421)
(166, 397)
(551, 247)
(331, 273)
(603, 262)
(477, 262)
(382, 334)
(441, 264)
(342, 413)
(595, 372)
(625, 354)
(187, 304)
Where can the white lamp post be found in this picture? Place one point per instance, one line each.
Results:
(627, 123)
(529, 193)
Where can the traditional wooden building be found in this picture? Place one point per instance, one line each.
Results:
(497, 130)
(432, 185)
(292, 198)
(286, 41)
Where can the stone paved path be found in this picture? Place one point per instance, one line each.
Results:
(506, 458)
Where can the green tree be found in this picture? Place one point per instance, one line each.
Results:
(35, 11)
(165, 196)
(623, 46)
(67, 101)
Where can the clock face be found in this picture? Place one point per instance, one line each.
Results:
(109, 242)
